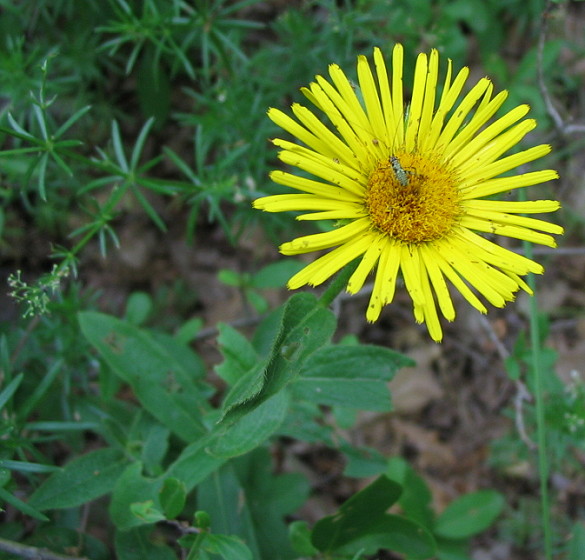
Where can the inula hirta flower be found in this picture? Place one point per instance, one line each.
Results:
(409, 187)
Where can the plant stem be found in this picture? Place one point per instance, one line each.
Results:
(543, 466)
(338, 283)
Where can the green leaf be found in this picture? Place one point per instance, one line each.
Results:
(146, 512)
(138, 308)
(305, 326)
(355, 517)
(300, 538)
(270, 498)
(577, 542)
(416, 496)
(158, 379)
(251, 430)
(10, 389)
(469, 514)
(27, 509)
(63, 540)
(84, 479)
(396, 534)
(132, 488)
(224, 500)
(276, 275)
(194, 464)
(362, 523)
(349, 376)
(138, 544)
(452, 550)
(228, 547)
(239, 356)
(363, 461)
(173, 495)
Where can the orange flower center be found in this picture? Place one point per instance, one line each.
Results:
(413, 198)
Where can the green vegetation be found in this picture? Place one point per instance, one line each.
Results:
(126, 124)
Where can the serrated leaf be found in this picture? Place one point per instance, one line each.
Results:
(305, 326)
(159, 381)
(250, 430)
(84, 479)
(470, 514)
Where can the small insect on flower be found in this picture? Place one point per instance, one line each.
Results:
(410, 184)
(400, 173)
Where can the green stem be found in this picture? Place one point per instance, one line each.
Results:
(338, 283)
(543, 466)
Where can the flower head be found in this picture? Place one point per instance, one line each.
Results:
(410, 190)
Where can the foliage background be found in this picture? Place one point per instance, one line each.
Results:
(133, 142)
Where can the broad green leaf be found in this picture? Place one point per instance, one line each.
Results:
(159, 381)
(239, 357)
(349, 376)
(452, 550)
(227, 546)
(351, 393)
(131, 488)
(138, 308)
(270, 499)
(356, 516)
(303, 422)
(355, 362)
(305, 326)
(396, 534)
(276, 275)
(194, 464)
(173, 495)
(362, 524)
(300, 538)
(138, 544)
(222, 497)
(146, 512)
(250, 430)
(469, 514)
(84, 479)
(577, 542)
(363, 461)
(416, 496)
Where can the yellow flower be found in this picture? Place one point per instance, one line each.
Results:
(409, 189)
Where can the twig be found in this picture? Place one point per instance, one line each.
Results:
(34, 553)
(522, 395)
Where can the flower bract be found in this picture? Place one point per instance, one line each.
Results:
(410, 188)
